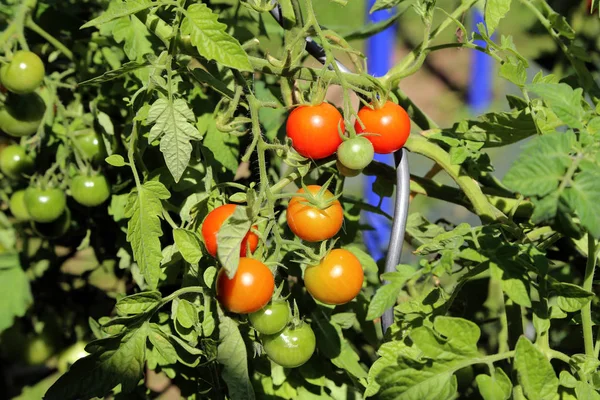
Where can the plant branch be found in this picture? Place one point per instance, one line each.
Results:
(30, 24)
(586, 311)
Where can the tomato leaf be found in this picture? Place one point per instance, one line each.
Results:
(119, 9)
(172, 123)
(188, 244)
(495, 387)
(582, 197)
(15, 292)
(223, 147)
(208, 35)
(536, 374)
(563, 100)
(138, 303)
(143, 229)
(386, 295)
(494, 11)
(229, 239)
(231, 354)
(117, 73)
(114, 361)
(162, 351)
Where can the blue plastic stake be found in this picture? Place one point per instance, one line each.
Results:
(482, 67)
(380, 49)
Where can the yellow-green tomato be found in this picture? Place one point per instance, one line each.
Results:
(17, 206)
(271, 319)
(24, 73)
(291, 347)
(14, 162)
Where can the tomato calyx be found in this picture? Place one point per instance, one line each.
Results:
(320, 199)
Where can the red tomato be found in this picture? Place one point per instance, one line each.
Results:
(250, 289)
(337, 279)
(213, 222)
(314, 130)
(390, 126)
(311, 223)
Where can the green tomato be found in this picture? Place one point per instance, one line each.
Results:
(54, 229)
(45, 205)
(14, 162)
(90, 191)
(70, 355)
(91, 145)
(24, 73)
(271, 319)
(356, 153)
(22, 114)
(345, 171)
(17, 206)
(291, 347)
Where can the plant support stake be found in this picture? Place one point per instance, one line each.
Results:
(402, 184)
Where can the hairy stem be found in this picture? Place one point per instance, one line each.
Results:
(586, 311)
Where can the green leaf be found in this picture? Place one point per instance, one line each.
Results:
(138, 303)
(116, 160)
(224, 148)
(120, 9)
(582, 197)
(496, 387)
(187, 315)
(385, 297)
(38, 390)
(229, 239)
(383, 4)
(116, 73)
(208, 35)
(188, 244)
(133, 34)
(231, 354)
(546, 208)
(536, 374)
(112, 363)
(143, 229)
(172, 123)
(563, 100)
(495, 10)
(460, 341)
(571, 297)
(15, 292)
(514, 70)
(541, 165)
(162, 352)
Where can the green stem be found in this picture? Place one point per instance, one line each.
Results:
(30, 24)
(17, 24)
(586, 311)
(182, 291)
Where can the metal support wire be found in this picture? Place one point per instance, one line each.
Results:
(402, 183)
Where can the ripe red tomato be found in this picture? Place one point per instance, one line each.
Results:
(250, 289)
(310, 223)
(213, 222)
(390, 126)
(337, 279)
(314, 130)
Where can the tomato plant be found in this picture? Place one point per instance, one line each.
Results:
(90, 191)
(249, 290)
(272, 318)
(313, 130)
(24, 73)
(315, 223)
(291, 347)
(337, 279)
(174, 193)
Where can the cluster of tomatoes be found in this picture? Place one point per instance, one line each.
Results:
(314, 215)
(22, 114)
(317, 132)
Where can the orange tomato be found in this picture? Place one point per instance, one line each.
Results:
(314, 130)
(337, 279)
(311, 223)
(390, 126)
(213, 222)
(249, 290)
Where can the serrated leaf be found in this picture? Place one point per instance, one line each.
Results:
(113, 362)
(208, 35)
(223, 147)
(514, 70)
(134, 35)
(143, 229)
(188, 244)
(229, 239)
(541, 165)
(231, 353)
(116, 73)
(138, 303)
(163, 351)
(385, 297)
(571, 297)
(187, 315)
(172, 123)
(582, 197)
(15, 292)
(563, 100)
(536, 374)
(119, 10)
(384, 4)
(494, 11)
(496, 387)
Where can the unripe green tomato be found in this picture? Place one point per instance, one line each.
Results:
(70, 355)
(21, 115)
(90, 143)
(272, 318)
(45, 205)
(54, 229)
(90, 191)
(291, 347)
(24, 73)
(14, 162)
(356, 153)
(345, 171)
(17, 206)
